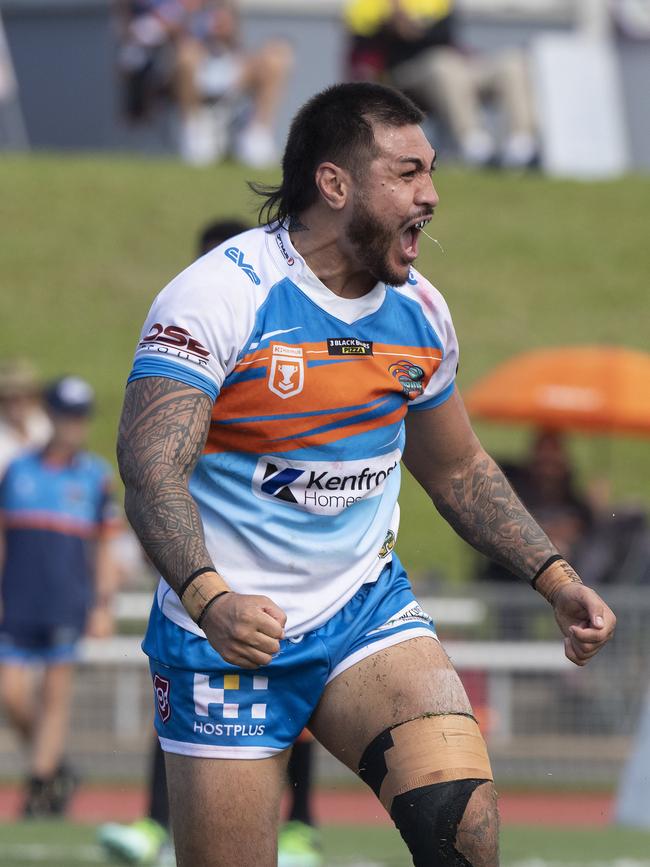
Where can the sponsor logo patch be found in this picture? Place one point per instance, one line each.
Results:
(348, 346)
(317, 487)
(236, 255)
(174, 340)
(409, 376)
(233, 700)
(289, 259)
(162, 688)
(277, 482)
(389, 544)
(411, 613)
(287, 371)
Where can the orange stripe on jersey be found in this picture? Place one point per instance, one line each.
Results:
(304, 390)
(344, 382)
(258, 438)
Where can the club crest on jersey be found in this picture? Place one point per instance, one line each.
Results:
(162, 688)
(287, 371)
(409, 376)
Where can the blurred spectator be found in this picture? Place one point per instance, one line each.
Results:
(607, 544)
(143, 59)
(413, 45)
(191, 49)
(56, 512)
(544, 483)
(23, 424)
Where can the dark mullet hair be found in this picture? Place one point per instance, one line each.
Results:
(335, 125)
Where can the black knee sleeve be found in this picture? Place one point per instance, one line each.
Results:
(427, 816)
(428, 820)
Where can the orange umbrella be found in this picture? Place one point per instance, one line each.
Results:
(598, 389)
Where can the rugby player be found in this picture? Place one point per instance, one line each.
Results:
(277, 385)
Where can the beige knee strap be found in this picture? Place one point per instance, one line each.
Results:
(433, 749)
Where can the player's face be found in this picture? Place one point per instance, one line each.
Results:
(392, 202)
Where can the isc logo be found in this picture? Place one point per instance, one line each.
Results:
(174, 335)
(235, 255)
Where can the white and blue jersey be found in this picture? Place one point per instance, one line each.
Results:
(297, 487)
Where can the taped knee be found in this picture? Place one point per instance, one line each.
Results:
(424, 772)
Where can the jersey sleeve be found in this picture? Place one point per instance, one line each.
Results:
(438, 317)
(195, 329)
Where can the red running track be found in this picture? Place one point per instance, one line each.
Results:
(344, 806)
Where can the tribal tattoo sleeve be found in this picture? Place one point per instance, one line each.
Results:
(482, 507)
(163, 429)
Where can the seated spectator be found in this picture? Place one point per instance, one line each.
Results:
(144, 58)
(413, 45)
(23, 423)
(208, 72)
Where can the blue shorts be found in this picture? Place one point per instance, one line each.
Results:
(38, 644)
(206, 707)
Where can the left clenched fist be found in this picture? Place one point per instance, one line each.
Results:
(586, 621)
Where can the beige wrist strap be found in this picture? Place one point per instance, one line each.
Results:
(555, 576)
(199, 590)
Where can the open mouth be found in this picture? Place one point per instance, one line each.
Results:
(410, 238)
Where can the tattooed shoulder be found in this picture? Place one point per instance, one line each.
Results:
(164, 420)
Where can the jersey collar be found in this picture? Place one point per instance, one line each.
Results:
(293, 266)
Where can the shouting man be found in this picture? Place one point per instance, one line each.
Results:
(278, 383)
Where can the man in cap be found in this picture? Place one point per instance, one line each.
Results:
(56, 513)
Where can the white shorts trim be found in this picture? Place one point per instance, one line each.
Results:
(206, 751)
(373, 647)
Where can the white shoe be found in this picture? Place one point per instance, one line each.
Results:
(256, 148)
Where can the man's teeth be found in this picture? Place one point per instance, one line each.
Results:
(420, 225)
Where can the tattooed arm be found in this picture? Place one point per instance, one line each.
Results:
(162, 433)
(473, 495)
(470, 491)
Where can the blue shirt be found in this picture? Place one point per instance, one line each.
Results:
(52, 516)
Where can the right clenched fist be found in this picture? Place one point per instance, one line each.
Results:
(245, 630)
